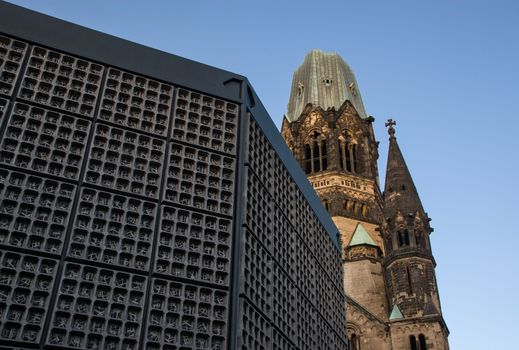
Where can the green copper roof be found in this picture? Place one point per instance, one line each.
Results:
(361, 236)
(324, 80)
(395, 314)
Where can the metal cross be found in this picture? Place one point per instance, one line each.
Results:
(389, 124)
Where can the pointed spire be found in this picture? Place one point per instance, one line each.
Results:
(400, 192)
(395, 313)
(361, 236)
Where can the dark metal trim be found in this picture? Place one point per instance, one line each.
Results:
(239, 204)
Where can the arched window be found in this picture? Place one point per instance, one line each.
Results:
(326, 204)
(403, 238)
(412, 340)
(324, 155)
(421, 339)
(300, 90)
(348, 152)
(316, 160)
(308, 159)
(349, 206)
(364, 210)
(316, 154)
(356, 208)
(354, 342)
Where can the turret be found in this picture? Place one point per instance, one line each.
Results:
(362, 246)
(329, 133)
(406, 223)
(363, 277)
(409, 263)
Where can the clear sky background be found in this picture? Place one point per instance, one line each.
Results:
(447, 71)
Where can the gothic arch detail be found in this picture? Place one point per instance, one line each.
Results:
(315, 152)
(348, 152)
(354, 336)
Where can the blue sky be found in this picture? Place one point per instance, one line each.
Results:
(447, 71)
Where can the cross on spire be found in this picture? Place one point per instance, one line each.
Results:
(391, 130)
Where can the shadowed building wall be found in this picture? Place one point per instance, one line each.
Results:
(148, 202)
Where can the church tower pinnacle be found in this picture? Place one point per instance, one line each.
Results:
(329, 133)
(408, 263)
(392, 298)
(324, 80)
(401, 192)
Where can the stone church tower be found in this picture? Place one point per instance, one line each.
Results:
(391, 292)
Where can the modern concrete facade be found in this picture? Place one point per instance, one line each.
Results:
(149, 202)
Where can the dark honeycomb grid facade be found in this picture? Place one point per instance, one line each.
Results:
(291, 290)
(137, 213)
(81, 188)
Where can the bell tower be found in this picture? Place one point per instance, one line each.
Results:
(327, 130)
(416, 321)
(392, 300)
(330, 135)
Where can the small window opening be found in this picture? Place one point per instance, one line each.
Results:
(347, 205)
(364, 210)
(300, 90)
(353, 89)
(412, 340)
(348, 158)
(403, 238)
(356, 208)
(423, 345)
(317, 162)
(308, 159)
(354, 342)
(409, 281)
(348, 153)
(326, 205)
(324, 155)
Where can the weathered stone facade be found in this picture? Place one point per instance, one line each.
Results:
(389, 279)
